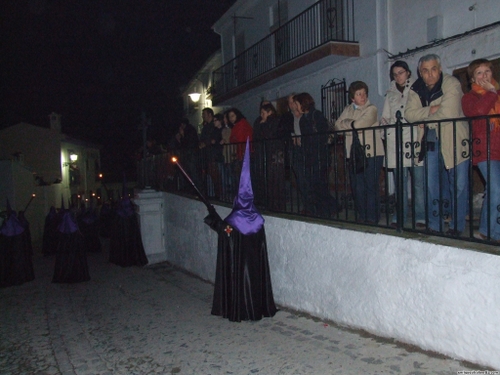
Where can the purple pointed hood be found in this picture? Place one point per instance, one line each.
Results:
(12, 227)
(9, 208)
(68, 224)
(125, 207)
(245, 216)
(52, 213)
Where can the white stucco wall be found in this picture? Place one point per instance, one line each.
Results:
(437, 297)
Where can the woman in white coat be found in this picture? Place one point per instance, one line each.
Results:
(395, 101)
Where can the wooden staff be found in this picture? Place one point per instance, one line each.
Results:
(29, 202)
(210, 207)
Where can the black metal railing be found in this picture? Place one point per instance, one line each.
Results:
(313, 176)
(324, 21)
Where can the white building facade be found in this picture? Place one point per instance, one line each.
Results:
(57, 169)
(271, 48)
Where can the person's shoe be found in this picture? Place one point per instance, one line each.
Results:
(453, 233)
(420, 226)
(482, 237)
(432, 231)
(393, 225)
(305, 212)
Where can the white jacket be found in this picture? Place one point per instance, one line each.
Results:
(395, 100)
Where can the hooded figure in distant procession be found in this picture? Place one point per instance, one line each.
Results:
(88, 222)
(71, 257)
(16, 265)
(125, 246)
(243, 288)
(50, 232)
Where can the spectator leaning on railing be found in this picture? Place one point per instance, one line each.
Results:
(269, 158)
(395, 101)
(229, 156)
(484, 99)
(436, 96)
(314, 185)
(239, 134)
(361, 116)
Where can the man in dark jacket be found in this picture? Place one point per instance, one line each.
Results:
(210, 149)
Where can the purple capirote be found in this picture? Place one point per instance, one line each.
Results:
(12, 227)
(68, 224)
(244, 216)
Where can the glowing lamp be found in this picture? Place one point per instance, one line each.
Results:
(195, 97)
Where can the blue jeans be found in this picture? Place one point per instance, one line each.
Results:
(418, 195)
(227, 181)
(491, 201)
(442, 199)
(365, 187)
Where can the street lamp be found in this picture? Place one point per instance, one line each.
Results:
(72, 157)
(195, 97)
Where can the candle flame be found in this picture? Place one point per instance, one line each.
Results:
(174, 159)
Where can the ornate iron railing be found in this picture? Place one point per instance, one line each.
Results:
(321, 183)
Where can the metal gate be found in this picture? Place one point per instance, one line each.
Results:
(333, 100)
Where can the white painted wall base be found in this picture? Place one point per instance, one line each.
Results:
(150, 205)
(437, 297)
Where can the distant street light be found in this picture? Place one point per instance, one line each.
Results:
(195, 97)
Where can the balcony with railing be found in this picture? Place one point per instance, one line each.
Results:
(326, 28)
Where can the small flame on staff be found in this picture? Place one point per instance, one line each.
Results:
(174, 159)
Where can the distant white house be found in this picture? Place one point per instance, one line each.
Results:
(42, 161)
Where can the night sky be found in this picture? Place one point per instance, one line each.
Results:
(101, 63)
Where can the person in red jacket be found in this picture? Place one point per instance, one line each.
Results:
(482, 100)
(240, 132)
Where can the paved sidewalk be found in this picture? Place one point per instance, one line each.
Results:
(156, 320)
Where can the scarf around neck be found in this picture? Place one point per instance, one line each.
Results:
(496, 108)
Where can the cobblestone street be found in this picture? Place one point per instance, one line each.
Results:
(156, 320)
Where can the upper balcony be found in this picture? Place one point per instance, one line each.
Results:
(326, 28)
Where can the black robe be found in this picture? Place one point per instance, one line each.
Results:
(50, 233)
(243, 289)
(89, 226)
(125, 246)
(16, 266)
(105, 220)
(71, 259)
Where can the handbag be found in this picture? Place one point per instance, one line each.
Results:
(357, 156)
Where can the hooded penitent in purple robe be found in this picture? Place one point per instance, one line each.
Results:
(243, 289)
(125, 246)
